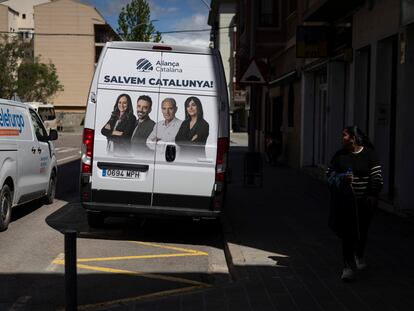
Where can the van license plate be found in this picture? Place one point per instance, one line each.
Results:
(115, 173)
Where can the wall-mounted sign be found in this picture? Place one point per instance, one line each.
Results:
(253, 74)
(312, 41)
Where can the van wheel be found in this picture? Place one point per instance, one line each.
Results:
(51, 189)
(96, 219)
(5, 207)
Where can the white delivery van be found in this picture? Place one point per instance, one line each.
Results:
(46, 112)
(28, 168)
(156, 132)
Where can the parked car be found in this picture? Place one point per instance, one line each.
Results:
(28, 167)
(47, 113)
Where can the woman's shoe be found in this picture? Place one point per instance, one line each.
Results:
(360, 263)
(347, 274)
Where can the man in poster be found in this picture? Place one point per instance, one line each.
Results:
(167, 129)
(144, 125)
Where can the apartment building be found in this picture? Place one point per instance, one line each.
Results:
(260, 34)
(17, 16)
(69, 34)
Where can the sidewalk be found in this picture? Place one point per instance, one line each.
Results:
(284, 257)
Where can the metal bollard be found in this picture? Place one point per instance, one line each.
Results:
(70, 271)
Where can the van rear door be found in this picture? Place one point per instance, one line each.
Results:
(185, 168)
(123, 171)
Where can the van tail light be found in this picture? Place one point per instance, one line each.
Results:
(221, 162)
(221, 165)
(87, 151)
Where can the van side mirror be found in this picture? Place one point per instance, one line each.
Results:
(53, 134)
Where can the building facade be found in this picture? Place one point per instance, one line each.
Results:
(20, 18)
(260, 34)
(335, 64)
(221, 19)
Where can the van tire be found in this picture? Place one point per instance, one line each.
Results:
(6, 201)
(95, 219)
(51, 189)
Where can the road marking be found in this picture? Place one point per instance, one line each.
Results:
(68, 158)
(170, 247)
(54, 265)
(114, 303)
(60, 261)
(143, 274)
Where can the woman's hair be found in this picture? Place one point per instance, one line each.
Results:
(129, 111)
(196, 100)
(359, 136)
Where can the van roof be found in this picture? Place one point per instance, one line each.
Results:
(159, 46)
(11, 102)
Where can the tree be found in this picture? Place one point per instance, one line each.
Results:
(135, 24)
(37, 81)
(10, 54)
(21, 74)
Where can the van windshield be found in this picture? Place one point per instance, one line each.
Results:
(47, 113)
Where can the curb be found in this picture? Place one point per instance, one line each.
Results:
(232, 252)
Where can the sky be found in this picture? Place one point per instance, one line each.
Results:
(169, 15)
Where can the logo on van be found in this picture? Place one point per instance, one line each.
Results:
(144, 65)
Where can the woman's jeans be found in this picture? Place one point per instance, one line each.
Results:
(353, 245)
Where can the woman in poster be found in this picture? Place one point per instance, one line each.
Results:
(194, 130)
(119, 128)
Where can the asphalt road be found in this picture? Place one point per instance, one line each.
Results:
(129, 259)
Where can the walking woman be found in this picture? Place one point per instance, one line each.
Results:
(194, 129)
(355, 180)
(119, 128)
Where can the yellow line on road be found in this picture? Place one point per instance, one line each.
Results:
(169, 247)
(62, 261)
(143, 274)
(113, 303)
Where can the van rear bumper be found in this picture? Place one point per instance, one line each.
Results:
(112, 208)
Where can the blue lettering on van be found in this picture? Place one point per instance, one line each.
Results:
(8, 119)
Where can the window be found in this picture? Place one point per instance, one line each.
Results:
(269, 13)
(47, 114)
(24, 16)
(38, 127)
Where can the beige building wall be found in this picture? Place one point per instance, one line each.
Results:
(4, 18)
(8, 19)
(24, 7)
(65, 36)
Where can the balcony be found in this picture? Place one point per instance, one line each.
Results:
(104, 33)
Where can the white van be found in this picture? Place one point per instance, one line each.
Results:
(28, 168)
(47, 113)
(156, 132)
